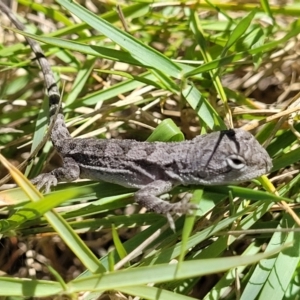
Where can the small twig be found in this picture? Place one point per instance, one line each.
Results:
(255, 123)
(122, 18)
(257, 231)
(138, 250)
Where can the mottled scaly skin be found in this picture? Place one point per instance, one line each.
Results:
(203, 160)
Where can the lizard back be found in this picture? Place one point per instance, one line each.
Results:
(213, 159)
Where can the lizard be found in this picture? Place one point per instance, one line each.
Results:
(153, 168)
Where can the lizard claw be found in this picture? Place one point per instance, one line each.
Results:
(183, 207)
(188, 211)
(45, 181)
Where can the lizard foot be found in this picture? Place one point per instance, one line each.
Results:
(45, 181)
(183, 207)
(148, 197)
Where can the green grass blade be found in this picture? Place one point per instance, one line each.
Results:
(153, 293)
(145, 55)
(24, 287)
(81, 79)
(239, 30)
(188, 226)
(265, 280)
(164, 272)
(203, 108)
(57, 222)
(217, 63)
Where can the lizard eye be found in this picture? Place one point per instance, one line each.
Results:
(235, 162)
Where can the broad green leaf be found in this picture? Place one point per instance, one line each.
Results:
(166, 131)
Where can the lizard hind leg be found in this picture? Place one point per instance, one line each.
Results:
(147, 197)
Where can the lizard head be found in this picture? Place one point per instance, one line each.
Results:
(231, 156)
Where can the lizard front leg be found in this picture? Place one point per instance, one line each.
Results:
(70, 171)
(147, 197)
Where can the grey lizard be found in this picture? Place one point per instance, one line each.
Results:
(219, 158)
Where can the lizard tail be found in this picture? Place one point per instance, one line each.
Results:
(55, 111)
